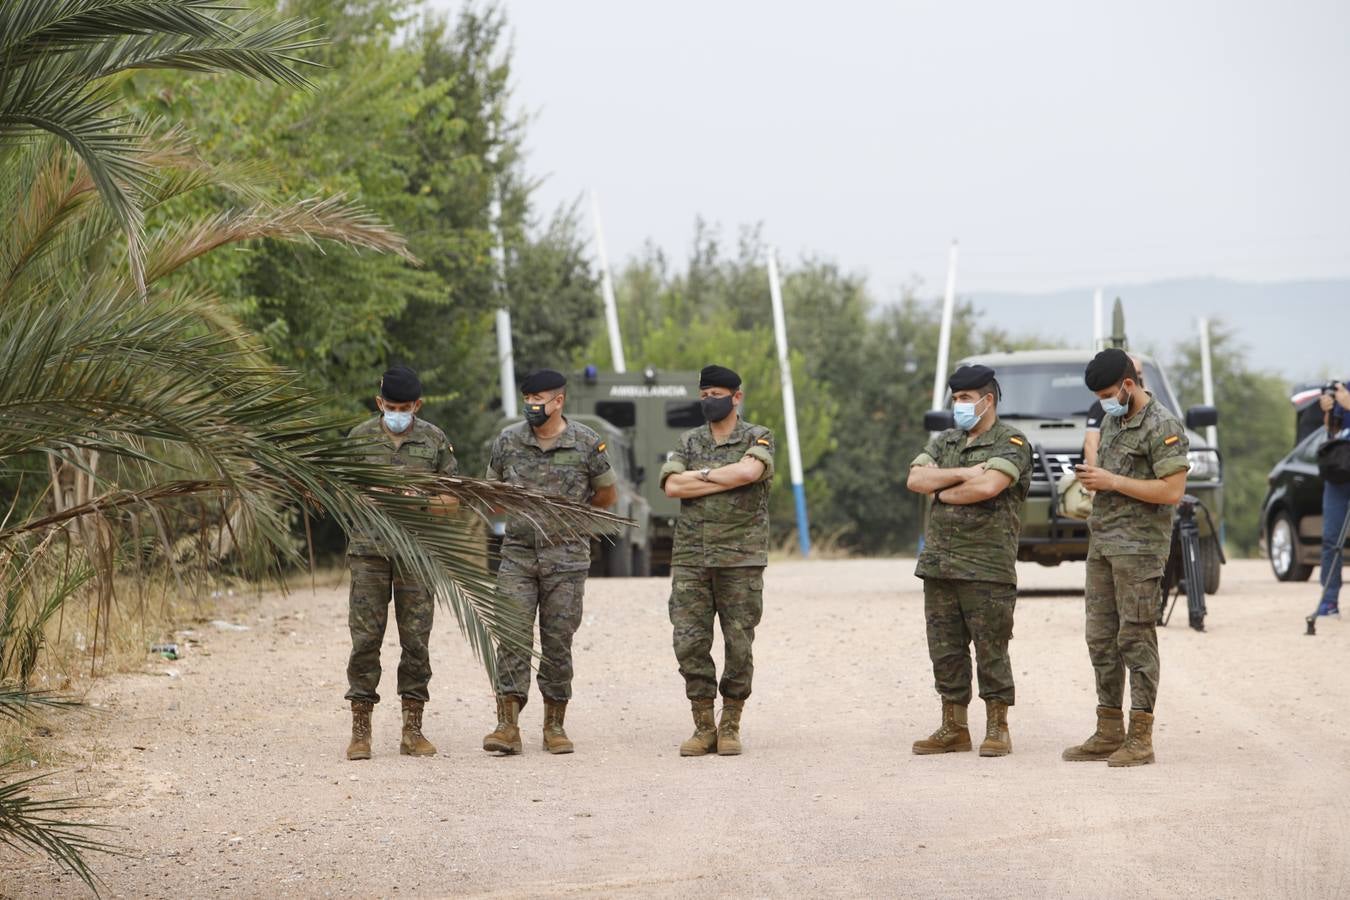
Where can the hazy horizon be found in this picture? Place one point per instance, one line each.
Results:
(1063, 144)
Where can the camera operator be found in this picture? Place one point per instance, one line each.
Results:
(1335, 403)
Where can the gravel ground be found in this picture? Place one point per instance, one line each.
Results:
(228, 778)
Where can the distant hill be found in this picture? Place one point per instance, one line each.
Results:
(1299, 329)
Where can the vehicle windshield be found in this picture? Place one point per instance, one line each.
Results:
(1056, 391)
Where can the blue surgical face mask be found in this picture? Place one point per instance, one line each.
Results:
(965, 415)
(397, 422)
(1114, 408)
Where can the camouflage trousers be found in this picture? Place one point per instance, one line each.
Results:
(1122, 609)
(374, 579)
(735, 596)
(556, 599)
(957, 612)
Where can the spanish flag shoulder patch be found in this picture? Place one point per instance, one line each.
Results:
(1171, 439)
(1016, 440)
(763, 441)
(600, 447)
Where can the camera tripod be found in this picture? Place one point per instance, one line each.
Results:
(1325, 574)
(1184, 569)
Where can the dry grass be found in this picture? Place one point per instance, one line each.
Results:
(145, 612)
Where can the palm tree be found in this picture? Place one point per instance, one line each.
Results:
(139, 386)
(59, 60)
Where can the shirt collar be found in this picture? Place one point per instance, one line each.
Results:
(736, 433)
(566, 438)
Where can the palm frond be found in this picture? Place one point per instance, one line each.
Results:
(33, 825)
(56, 57)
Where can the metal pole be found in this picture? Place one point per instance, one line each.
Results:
(945, 334)
(1098, 321)
(508, 362)
(607, 292)
(789, 406)
(1207, 381)
(505, 355)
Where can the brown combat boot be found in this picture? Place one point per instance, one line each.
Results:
(1138, 747)
(704, 739)
(555, 739)
(506, 738)
(359, 748)
(1108, 737)
(414, 743)
(997, 740)
(729, 728)
(952, 735)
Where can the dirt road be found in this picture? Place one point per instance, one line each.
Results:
(229, 779)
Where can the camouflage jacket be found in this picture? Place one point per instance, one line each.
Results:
(424, 449)
(730, 528)
(1149, 444)
(977, 541)
(574, 468)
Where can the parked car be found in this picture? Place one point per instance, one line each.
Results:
(1291, 517)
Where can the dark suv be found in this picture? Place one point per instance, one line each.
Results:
(1291, 517)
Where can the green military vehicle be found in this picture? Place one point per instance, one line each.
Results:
(626, 550)
(1044, 397)
(652, 409)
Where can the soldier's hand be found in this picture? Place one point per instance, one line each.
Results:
(1095, 478)
(1343, 396)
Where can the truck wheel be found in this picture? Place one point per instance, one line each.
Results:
(1282, 548)
(642, 561)
(1209, 561)
(618, 560)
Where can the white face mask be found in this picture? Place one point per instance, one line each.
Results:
(397, 422)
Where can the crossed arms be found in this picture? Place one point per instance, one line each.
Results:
(960, 486)
(689, 485)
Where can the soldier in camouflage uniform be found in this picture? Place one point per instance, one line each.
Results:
(721, 474)
(396, 437)
(1141, 476)
(545, 574)
(978, 474)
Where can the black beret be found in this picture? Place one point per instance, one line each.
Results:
(401, 385)
(541, 380)
(968, 378)
(1106, 369)
(719, 376)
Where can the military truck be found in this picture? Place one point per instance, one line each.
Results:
(1044, 396)
(652, 408)
(623, 551)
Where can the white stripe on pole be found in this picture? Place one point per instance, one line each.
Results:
(607, 292)
(1207, 381)
(945, 334)
(1098, 321)
(506, 357)
(789, 405)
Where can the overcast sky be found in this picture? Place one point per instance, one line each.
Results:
(1064, 144)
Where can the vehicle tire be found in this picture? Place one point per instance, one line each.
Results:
(642, 561)
(618, 560)
(1282, 549)
(1210, 562)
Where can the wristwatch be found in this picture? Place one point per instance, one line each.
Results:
(704, 473)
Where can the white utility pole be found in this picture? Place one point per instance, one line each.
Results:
(1207, 382)
(607, 292)
(506, 357)
(1098, 321)
(945, 334)
(789, 406)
